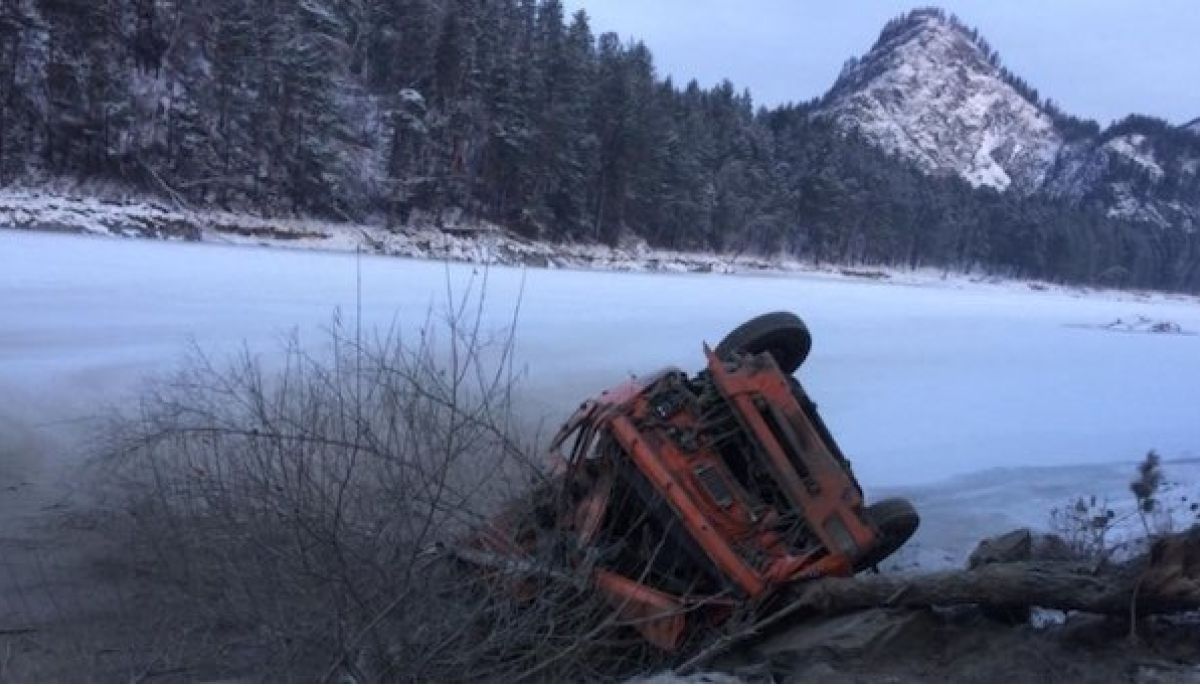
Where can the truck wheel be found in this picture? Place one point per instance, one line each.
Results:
(897, 520)
(782, 334)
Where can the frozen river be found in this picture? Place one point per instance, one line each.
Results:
(918, 382)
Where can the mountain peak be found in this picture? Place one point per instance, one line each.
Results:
(932, 90)
(922, 19)
(926, 29)
(1193, 125)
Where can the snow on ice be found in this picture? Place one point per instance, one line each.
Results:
(990, 391)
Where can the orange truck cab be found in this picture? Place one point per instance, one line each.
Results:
(689, 496)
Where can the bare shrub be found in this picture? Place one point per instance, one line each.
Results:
(1098, 530)
(296, 515)
(1088, 527)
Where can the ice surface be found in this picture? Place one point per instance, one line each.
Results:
(920, 382)
(958, 512)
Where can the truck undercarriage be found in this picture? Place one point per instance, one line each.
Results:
(688, 498)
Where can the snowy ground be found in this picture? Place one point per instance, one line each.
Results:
(921, 382)
(451, 239)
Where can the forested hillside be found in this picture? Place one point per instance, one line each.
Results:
(509, 111)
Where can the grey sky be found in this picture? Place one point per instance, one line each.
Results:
(1100, 59)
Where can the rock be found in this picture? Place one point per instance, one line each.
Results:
(1019, 545)
(814, 672)
(860, 634)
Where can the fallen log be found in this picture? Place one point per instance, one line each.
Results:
(1166, 580)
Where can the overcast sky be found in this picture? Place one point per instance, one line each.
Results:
(1100, 59)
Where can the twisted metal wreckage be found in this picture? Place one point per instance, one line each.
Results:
(689, 500)
(688, 496)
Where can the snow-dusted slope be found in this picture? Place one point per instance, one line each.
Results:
(928, 92)
(932, 91)
(1133, 178)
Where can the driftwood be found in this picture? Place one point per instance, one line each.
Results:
(1166, 580)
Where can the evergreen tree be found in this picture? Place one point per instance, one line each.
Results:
(509, 111)
(23, 68)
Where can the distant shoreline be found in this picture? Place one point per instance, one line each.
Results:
(460, 241)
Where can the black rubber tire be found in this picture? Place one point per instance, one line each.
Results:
(897, 521)
(782, 334)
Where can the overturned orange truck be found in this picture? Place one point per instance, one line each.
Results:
(687, 497)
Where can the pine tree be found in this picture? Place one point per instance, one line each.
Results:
(507, 111)
(568, 197)
(86, 84)
(23, 62)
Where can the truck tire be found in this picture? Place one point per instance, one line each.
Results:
(782, 334)
(897, 521)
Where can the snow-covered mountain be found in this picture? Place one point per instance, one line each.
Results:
(1138, 170)
(931, 90)
(928, 91)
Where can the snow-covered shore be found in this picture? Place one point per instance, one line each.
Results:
(455, 241)
(477, 242)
